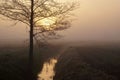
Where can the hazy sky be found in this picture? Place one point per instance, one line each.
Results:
(95, 20)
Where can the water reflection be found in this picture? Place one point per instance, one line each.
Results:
(47, 72)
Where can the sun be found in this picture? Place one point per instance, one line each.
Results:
(47, 21)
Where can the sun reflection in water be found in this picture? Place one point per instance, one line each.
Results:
(47, 72)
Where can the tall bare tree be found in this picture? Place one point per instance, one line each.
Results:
(32, 12)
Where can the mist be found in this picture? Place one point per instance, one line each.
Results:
(94, 20)
(88, 50)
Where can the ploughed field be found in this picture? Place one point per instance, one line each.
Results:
(89, 62)
(74, 62)
(14, 61)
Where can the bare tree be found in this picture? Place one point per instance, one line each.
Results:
(32, 12)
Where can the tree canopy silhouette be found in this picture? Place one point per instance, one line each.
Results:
(20, 10)
(33, 12)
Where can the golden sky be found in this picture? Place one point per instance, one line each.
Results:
(95, 20)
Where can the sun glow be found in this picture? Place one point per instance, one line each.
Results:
(47, 21)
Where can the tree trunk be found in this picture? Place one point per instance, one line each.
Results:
(31, 76)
